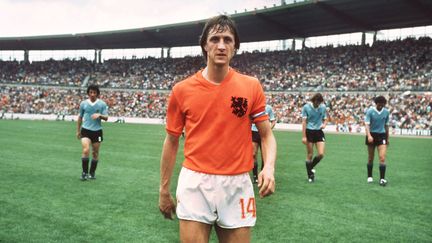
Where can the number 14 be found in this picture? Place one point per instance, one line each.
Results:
(250, 208)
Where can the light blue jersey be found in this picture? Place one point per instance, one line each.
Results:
(87, 109)
(314, 116)
(377, 120)
(270, 113)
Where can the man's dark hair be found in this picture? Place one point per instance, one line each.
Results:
(93, 87)
(222, 23)
(380, 100)
(317, 97)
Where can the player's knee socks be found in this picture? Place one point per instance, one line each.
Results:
(382, 169)
(316, 160)
(369, 169)
(308, 167)
(255, 168)
(93, 166)
(85, 162)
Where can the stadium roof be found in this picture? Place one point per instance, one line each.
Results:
(298, 20)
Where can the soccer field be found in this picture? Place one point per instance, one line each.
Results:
(43, 200)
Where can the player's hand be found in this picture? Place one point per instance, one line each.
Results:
(370, 139)
(167, 205)
(95, 116)
(322, 126)
(266, 182)
(78, 134)
(304, 140)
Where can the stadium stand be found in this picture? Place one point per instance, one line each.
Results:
(386, 66)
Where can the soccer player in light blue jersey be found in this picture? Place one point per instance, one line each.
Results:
(314, 121)
(256, 141)
(377, 135)
(89, 129)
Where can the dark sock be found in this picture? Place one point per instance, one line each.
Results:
(85, 162)
(309, 167)
(93, 166)
(369, 169)
(315, 161)
(382, 169)
(255, 169)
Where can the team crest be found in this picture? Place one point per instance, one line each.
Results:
(239, 106)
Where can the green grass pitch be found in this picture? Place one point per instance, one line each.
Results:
(43, 200)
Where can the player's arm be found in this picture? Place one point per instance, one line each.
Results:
(367, 127)
(98, 115)
(266, 180)
(167, 163)
(304, 139)
(324, 124)
(387, 132)
(79, 122)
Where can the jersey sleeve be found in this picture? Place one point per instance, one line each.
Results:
(258, 112)
(81, 109)
(304, 112)
(324, 112)
(387, 120)
(175, 116)
(367, 116)
(104, 109)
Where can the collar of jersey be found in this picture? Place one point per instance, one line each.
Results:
(379, 112)
(205, 82)
(92, 103)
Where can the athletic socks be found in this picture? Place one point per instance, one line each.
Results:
(315, 161)
(382, 169)
(93, 166)
(308, 167)
(85, 163)
(369, 169)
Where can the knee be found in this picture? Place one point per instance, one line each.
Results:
(86, 151)
(382, 159)
(95, 154)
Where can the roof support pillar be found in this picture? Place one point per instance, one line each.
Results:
(100, 56)
(26, 56)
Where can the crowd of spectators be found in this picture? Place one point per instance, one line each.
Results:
(140, 87)
(386, 66)
(408, 110)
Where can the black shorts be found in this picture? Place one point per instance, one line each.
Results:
(378, 139)
(94, 136)
(314, 136)
(256, 138)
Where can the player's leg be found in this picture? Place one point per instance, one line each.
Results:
(193, 231)
(233, 235)
(255, 169)
(236, 208)
(320, 146)
(382, 151)
(85, 143)
(309, 154)
(371, 155)
(95, 159)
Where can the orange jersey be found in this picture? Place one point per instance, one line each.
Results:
(217, 119)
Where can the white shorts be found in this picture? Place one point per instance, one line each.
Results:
(227, 200)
